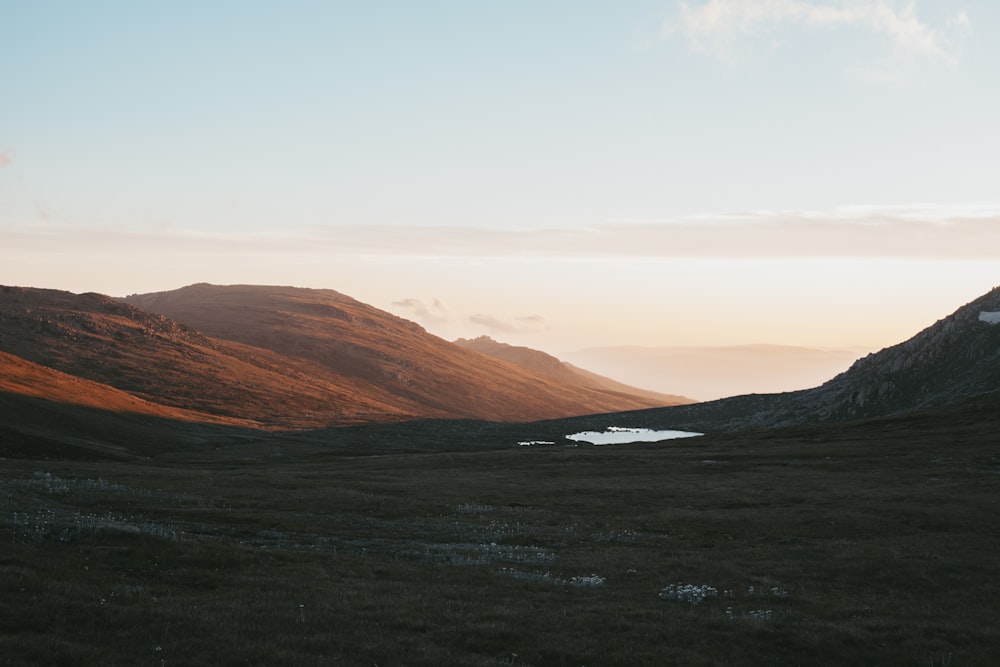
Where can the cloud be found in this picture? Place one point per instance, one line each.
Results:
(531, 322)
(6, 157)
(524, 324)
(435, 313)
(437, 316)
(901, 232)
(924, 231)
(723, 27)
(970, 231)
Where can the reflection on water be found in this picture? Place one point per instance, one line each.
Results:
(616, 435)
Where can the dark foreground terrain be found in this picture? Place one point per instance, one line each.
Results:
(870, 543)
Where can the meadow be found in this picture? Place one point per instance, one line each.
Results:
(862, 544)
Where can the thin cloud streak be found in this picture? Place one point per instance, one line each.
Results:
(525, 324)
(917, 231)
(434, 314)
(722, 27)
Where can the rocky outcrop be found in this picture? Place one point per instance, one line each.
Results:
(956, 358)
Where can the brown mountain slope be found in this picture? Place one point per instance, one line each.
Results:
(20, 377)
(108, 342)
(378, 355)
(48, 414)
(546, 365)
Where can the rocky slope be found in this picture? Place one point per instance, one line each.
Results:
(954, 359)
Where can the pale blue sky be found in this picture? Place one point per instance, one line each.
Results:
(150, 145)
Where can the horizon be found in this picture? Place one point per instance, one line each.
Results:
(661, 174)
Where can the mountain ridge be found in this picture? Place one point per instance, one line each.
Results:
(139, 368)
(276, 357)
(360, 344)
(157, 359)
(953, 359)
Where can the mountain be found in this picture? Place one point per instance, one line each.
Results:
(712, 372)
(98, 374)
(106, 341)
(45, 413)
(955, 359)
(29, 380)
(378, 356)
(541, 363)
(262, 357)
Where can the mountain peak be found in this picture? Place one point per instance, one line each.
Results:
(369, 352)
(274, 357)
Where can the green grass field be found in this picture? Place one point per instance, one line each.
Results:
(869, 544)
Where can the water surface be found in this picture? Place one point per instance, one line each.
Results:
(617, 435)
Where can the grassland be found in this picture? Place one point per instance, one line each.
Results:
(866, 544)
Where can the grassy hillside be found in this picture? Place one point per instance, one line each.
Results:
(377, 356)
(865, 543)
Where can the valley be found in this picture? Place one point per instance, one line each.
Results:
(497, 334)
(446, 543)
(850, 523)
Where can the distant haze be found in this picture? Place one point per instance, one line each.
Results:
(708, 373)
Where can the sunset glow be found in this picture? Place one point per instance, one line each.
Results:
(561, 176)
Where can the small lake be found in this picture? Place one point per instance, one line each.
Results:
(616, 435)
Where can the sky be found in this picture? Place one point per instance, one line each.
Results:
(555, 174)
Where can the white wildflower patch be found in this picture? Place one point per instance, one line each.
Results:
(696, 594)
(46, 524)
(692, 593)
(540, 577)
(587, 581)
(517, 553)
(591, 581)
(760, 591)
(758, 616)
(475, 554)
(473, 508)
